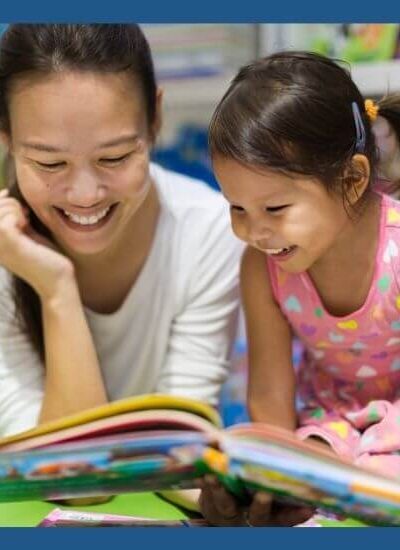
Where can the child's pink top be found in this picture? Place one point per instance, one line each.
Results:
(349, 360)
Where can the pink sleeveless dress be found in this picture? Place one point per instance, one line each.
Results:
(349, 377)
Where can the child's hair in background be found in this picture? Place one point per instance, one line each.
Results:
(294, 112)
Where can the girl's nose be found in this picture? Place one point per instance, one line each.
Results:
(259, 234)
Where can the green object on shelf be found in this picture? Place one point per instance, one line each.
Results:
(376, 43)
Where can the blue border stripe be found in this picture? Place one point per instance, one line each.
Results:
(184, 11)
(197, 539)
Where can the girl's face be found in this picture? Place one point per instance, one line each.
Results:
(294, 220)
(81, 145)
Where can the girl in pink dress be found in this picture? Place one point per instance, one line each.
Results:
(295, 155)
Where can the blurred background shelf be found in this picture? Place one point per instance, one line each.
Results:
(195, 63)
(377, 78)
(184, 93)
(372, 50)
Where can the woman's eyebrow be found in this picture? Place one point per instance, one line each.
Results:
(42, 147)
(38, 146)
(119, 141)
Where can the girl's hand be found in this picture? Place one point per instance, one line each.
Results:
(26, 253)
(220, 508)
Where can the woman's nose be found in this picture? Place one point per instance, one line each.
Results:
(85, 191)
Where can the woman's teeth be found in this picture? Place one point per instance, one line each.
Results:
(277, 250)
(87, 220)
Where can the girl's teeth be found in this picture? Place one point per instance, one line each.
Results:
(86, 220)
(275, 251)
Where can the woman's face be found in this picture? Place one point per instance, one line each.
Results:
(81, 145)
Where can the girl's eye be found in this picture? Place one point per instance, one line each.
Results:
(236, 208)
(276, 208)
(51, 166)
(115, 160)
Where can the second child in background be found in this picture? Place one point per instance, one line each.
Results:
(295, 155)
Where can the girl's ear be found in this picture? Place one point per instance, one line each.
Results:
(356, 178)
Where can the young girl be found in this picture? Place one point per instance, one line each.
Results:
(294, 153)
(118, 277)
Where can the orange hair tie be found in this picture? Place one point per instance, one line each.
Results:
(372, 109)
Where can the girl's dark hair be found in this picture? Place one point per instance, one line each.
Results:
(292, 111)
(45, 48)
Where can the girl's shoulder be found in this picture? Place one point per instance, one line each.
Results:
(389, 254)
(391, 211)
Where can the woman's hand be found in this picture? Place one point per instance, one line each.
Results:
(26, 253)
(220, 508)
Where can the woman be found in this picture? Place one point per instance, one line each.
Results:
(119, 277)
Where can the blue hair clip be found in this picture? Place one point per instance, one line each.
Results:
(360, 128)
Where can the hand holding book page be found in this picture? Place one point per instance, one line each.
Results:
(160, 442)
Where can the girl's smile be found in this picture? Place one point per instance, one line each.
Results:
(293, 219)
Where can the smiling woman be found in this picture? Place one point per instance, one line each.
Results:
(81, 145)
(118, 277)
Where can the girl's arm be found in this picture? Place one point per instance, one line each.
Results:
(73, 380)
(271, 389)
(271, 397)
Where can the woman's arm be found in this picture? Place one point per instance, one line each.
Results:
(271, 389)
(73, 380)
(72, 375)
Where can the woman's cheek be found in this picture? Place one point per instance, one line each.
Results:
(30, 184)
(137, 179)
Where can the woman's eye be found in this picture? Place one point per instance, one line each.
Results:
(50, 165)
(115, 160)
(276, 208)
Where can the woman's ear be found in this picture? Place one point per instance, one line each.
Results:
(156, 127)
(5, 143)
(7, 172)
(357, 177)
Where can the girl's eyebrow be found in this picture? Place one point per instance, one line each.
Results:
(53, 149)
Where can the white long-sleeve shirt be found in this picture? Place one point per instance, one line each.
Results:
(173, 332)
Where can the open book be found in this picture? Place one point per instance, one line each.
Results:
(159, 442)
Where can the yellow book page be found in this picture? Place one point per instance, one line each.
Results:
(130, 404)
